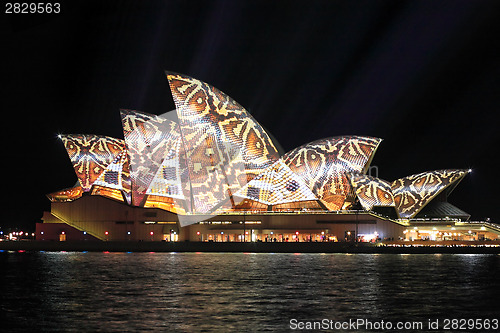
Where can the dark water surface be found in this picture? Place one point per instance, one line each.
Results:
(190, 292)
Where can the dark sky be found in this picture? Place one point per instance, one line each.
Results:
(422, 75)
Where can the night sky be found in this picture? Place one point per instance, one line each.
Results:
(422, 75)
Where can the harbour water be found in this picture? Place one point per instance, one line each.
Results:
(240, 292)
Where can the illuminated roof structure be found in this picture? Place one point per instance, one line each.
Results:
(68, 194)
(150, 140)
(412, 193)
(277, 185)
(90, 155)
(324, 165)
(372, 191)
(225, 147)
(210, 156)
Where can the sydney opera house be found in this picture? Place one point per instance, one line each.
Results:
(208, 171)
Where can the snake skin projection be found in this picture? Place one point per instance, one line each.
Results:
(117, 176)
(149, 140)
(412, 193)
(91, 155)
(168, 181)
(277, 185)
(371, 191)
(324, 165)
(210, 122)
(215, 158)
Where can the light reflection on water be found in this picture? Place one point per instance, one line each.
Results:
(56, 291)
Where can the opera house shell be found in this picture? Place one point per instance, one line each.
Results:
(208, 171)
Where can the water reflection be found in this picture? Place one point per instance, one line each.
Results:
(238, 292)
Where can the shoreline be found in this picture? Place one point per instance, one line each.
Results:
(256, 247)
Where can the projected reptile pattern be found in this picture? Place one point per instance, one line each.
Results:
(117, 175)
(225, 147)
(372, 191)
(91, 155)
(68, 194)
(149, 140)
(277, 185)
(412, 193)
(324, 165)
